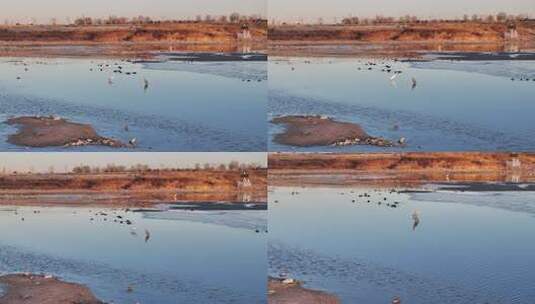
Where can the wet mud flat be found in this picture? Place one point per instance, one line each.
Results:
(309, 131)
(40, 289)
(288, 291)
(41, 132)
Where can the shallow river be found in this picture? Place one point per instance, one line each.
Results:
(185, 106)
(467, 247)
(189, 256)
(454, 105)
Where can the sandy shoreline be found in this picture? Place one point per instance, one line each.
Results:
(39, 289)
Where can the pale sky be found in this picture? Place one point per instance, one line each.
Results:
(40, 162)
(44, 10)
(310, 11)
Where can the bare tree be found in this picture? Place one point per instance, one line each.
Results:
(234, 17)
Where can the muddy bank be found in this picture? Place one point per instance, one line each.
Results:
(137, 199)
(309, 131)
(133, 51)
(291, 292)
(54, 131)
(389, 49)
(38, 289)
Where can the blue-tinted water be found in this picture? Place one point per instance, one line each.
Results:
(188, 258)
(200, 106)
(469, 247)
(460, 105)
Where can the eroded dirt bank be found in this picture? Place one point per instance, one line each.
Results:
(397, 40)
(131, 189)
(129, 41)
(428, 31)
(399, 168)
(38, 289)
(195, 32)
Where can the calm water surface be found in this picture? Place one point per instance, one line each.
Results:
(456, 105)
(199, 106)
(469, 247)
(201, 256)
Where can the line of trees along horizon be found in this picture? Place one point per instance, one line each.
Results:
(141, 168)
(501, 17)
(140, 20)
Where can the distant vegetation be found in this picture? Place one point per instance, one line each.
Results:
(501, 17)
(139, 20)
(498, 18)
(143, 168)
(139, 168)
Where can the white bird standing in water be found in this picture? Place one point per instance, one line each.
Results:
(110, 80)
(133, 142)
(413, 83)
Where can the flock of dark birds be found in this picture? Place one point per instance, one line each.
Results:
(118, 68)
(115, 68)
(523, 78)
(367, 198)
(112, 216)
(389, 68)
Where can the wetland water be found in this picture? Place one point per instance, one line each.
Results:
(468, 246)
(455, 105)
(185, 105)
(189, 255)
